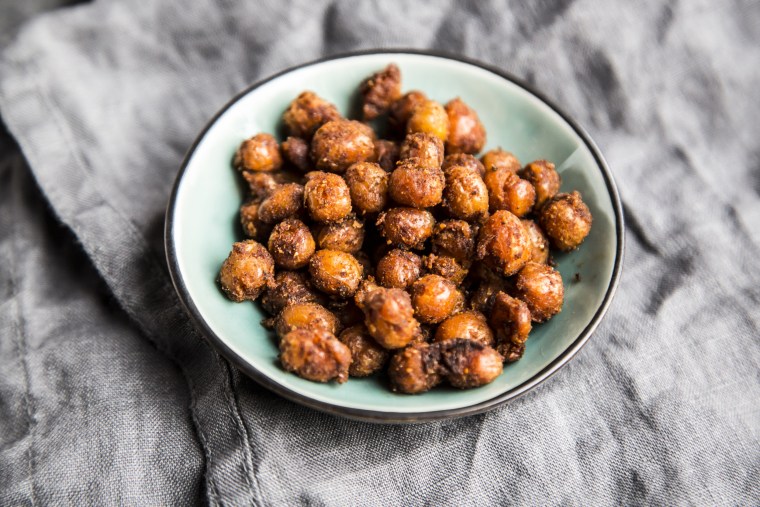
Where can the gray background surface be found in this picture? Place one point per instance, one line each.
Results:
(108, 396)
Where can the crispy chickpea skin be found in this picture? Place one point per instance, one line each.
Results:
(379, 91)
(249, 219)
(291, 244)
(415, 186)
(470, 325)
(368, 187)
(426, 149)
(566, 220)
(406, 227)
(510, 319)
(467, 363)
(335, 273)
(401, 110)
(367, 355)
(482, 298)
(315, 355)
(247, 271)
(465, 195)
(258, 153)
(415, 369)
(386, 153)
(456, 239)
(540, 286)
(429, 116)
(463, 159)
(326, 197)
(283, 202)
(434, 298)
(289, 288)
(305, 316)
(307, 113)
(398, 269)
(389, 315)
(538, 240)
(466, 133)
(296, 151)
(506, 190)
(261, 184)
(446, 267)
(544, 178)
(346, 235)
(339, 143)
(503, 243)
(500, 159)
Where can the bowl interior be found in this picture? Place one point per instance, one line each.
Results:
(205, 217)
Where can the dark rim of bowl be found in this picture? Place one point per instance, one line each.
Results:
(376, 415)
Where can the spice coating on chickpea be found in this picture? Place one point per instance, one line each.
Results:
(289, 288)
(305, 316)
(247, 271)
(367, 355)
(315, 355)
(368, 187)
(291, 244)
(346, 235)
(389, 315)
(258, 153)
(283, 202)
(398, 269)
(466, 132)
(467, 363)
(456, 239)
(503, 243)
(538, 240)
(307, 113)
(500, 159)
(338, 144)
(544, 178)
(415, 186)
(508, 191)
(401, 110)
(426, 149)
(463, 159)
(415, 369)
(386, 153)
(540, 286)
(406, 227)
(434, 298)
(566, 220)
(379, 91)
(429, 116)
(335, 273)
(261, 184)
(249, 220)
(465, 195)
(446, 267)
(326, 197)
(510, 319)
(296, 151)
(469, 325)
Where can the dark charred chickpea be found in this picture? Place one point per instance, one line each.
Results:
(511, 322)
(465, 195)
(389, 315)
(463, 159)
(247, 271)
(315, 355)
(544, 178)
(566, 220)
(508, 191)
(289, 288)
(540, 286)
(296, 151)
(305, 316)
(368, 187)
(500, 159)
(415, 186)
(379, 91)
(406, 227)
(340, 143)
(503, 243)
(467, 363)
(335, 273)
(434, 298)
(398, 269)
(326, 197)
(258, 153)
(430, 117)
(367, 355)
(455, 238)
(426, 149)
(469, 325)
(415, 369)
(346, 235)
(402, 109)
(446, 267)
(291, 244)
(386, 153)
(283, 202)
(466, 133)
(539, 242)
(307, 113)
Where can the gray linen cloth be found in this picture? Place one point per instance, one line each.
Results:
(108, 395)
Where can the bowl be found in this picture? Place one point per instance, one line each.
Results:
(202, 224)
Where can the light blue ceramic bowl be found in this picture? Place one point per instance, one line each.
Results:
(202, 220)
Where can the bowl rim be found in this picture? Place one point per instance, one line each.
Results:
(379, 416)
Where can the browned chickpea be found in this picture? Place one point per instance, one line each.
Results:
(426, 149)
(430, 117)
(466, 133)
(434, 298)
(296, 151)
(367, 356)
(348, 312)
(500, 159)
(467, 363)
(415, 186)
(363, 259)
(386, 153)
(415, 369)
(261, 184)
(339, 143)
(456, 239)
(544, 178)
(368, 186)
(540, 286)
(398, 268)
(307, 113)
(249, 219)
(258, 153)
(291, 244)
(283, 202)
(346, 235)
(446, 267)
(326, 197)
(508, 191)
(315, 355)
(566, 220)
(402, 109)
(510, 319)
(305, 316)
(470, 325)
(379, 91)
(482, 297)
(247, 271)
(466, 195)
(289, 288)
(389, 315)
(463, 159)
(503, 243)
(539, 242)
(406, 227)
(335, 273)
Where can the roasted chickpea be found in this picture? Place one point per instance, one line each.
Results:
(499, 159)
(335, 273)
(539, 242)
(415, 186)
(339, 143)
(402, 109)
(406, 227)
(389, 315)
(566, 220)
(249, 219)
(346, 235)
(446, 267)
(426, 149)
(326, 197)
(296, 151)
(482, 297)
(508, 191)
(467, 363)
(469, 325)
(291, 244)
(434, 298)
(503, 243)
(348, 312)
(315, 355)
(544, 178)
(305, 316)
(386, 153)
(368, 187)
(463, 159)
(465, 195)
(283, 202)
(510, 319)
(259, 153)
(307, 113)
(289, 288)
(466, 133)
(540, 286)
(261, 184)
(398, 268)
(367, 356)
(456, 239)
(429, 116)
(415, 369)
(247, 271)
(379, 91)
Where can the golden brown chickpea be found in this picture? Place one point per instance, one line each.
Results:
(305, 316)
(467, 363)
(398, 268)
(446, 267)
(406, 227)
(258, 153)
(415, 186)
(283, 202)
(402, 109)
(508, 191)
(346, 235)
(307, 113)
(249, 219)
(434, 298)
(335, 273)
(456, 239)
(539, 242)
(389, 315)
(415, 369)
(429, 116)
(247, 271)
(379, 91)
(340, 143)
(289, 288)
(261, 184)
(469, 325)
(386, 153)
(544, 178)
(326, 197)
(510, 319)
(466, 195)
(367, 356)
(296, 151)
(540, 286)
(503, 243)
(315, 355)
(466, 133)
(291, 244)
(426, 149)
(500, 159)
(463, 159)
(566, 220)
(368, 186)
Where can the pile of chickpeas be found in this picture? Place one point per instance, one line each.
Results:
(407, 254)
